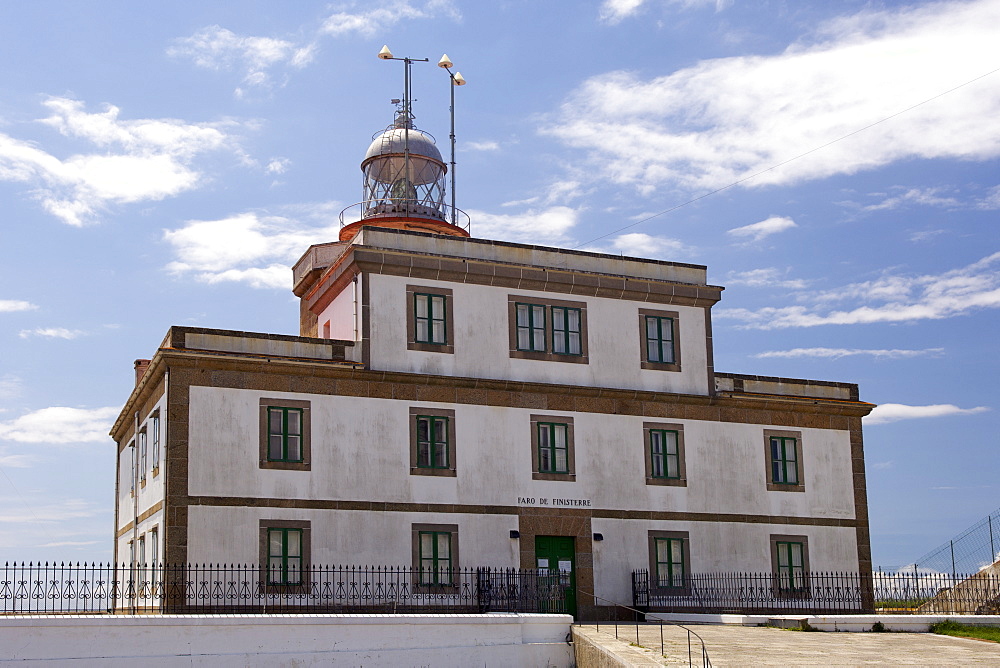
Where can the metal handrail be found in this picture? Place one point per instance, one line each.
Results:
(705, 661)
(463, 220)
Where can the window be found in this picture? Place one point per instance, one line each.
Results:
(432, 442)
(664, 445)
(142, 457)
(154, 426)
(566, 330)
(429, 319)
(669, 559)
(659, 336)
(435, 555)
(284, 553)
(154, 546)
(530, 327)
(783, 454)
(552, 451)
(550, 330)
(131, 451)
(285, 433)
(142, 551)
(790, 564)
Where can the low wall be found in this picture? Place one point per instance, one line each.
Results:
(592, 651)
(224, 641)
(850, 623)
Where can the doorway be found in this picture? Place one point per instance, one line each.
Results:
(557, 555)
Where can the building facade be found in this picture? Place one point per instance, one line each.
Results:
(455, 402)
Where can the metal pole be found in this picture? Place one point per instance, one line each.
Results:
(951, 543)
(993, 550)
(454, 216)
(406, 130)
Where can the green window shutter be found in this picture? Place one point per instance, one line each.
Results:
(566, 331)
(530, 325)
(284, 556)
(430, 318)
(784, 461)
(432, 442)
(553, 447)
(434, 549)
(664, 454)
(660, 339)
(670, 567)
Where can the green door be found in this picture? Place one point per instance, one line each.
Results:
(556, 555)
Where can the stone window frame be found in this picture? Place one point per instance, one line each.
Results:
(264, 584)
(644, 340)
(448, 346)
(415, 530)
(570, 476)
(773, 486)
(803, 591)
(685, 538)
(647, 427)
(547, 355)
(418, 411)
(306, 406)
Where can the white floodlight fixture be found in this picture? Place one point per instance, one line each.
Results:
(445, 62)
(458, 79)
(385, 53)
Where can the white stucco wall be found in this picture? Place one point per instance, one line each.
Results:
(250, 641)
(482, 345)
(343, 316)
(148, 494)
(360, 451)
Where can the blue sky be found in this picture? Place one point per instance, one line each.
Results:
(165, 165)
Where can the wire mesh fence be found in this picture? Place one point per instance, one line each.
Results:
(823, 592)
(223, 588)
(972, 550)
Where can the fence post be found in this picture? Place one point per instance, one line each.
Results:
(993, 550)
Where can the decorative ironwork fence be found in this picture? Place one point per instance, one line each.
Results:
(815, 592)
(217, 588)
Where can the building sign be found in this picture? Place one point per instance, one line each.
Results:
(552, 502)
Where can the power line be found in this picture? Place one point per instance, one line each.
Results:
(785, 162)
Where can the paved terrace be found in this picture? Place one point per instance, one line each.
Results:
(760, 646)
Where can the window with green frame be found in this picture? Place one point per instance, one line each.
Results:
(671, 571)
(435, 562)
(432, 442)
(664, 454)
(790, 565)
(660, 340)
(284, 434)
(430, 318)
(553, 447)
(784, 460)
(566, 331)
(530, 327)
(284, 556)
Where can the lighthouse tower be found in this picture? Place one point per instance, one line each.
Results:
(404, 181)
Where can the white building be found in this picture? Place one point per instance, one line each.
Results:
(460, 402)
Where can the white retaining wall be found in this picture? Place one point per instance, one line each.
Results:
(223, 641)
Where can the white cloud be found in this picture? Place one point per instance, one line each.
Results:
(613, 11)
(278, 165)
(891, 298)
(10, 305)
(637, 244)
(10, 386)
(722, 120)
(991, 201)
(895, 412)
(13, 511)
(217, 48)
(368, 22)
(836, 353)
(482, 146)
(60, 424)
(251, 248)
(135, 160)
(764, 228)
(769, 277)
(52, 333)
(926, 235)
(533, 226)
(924, 197)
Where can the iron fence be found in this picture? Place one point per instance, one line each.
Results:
(224, 588)
(822, 592)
